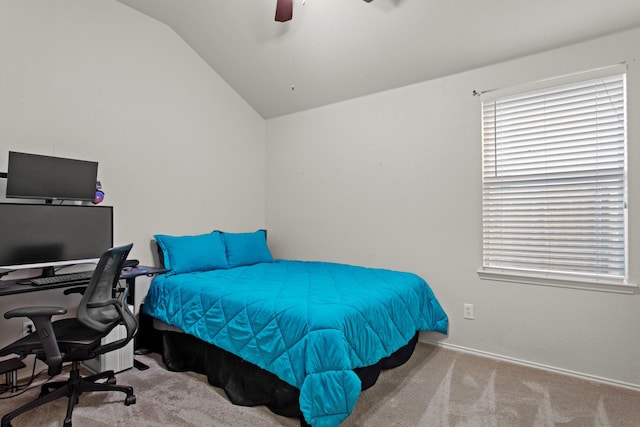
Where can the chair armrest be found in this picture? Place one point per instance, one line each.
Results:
(35, 311)
(41, 318)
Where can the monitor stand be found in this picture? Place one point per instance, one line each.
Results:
(49, 271)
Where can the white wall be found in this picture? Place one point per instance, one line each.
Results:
(394, 180)
(179, 151)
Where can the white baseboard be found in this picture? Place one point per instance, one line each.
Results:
(635, 387)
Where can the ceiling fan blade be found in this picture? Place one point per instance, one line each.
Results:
(284, 10)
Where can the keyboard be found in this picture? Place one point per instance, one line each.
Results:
(62, 278)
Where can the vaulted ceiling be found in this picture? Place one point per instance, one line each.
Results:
(333, 50)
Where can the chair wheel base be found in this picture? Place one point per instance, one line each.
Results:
(130, 400)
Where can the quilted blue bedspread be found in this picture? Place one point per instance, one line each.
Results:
(309, 323)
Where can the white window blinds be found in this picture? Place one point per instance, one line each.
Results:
(554, 180)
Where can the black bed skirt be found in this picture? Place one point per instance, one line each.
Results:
(245, 383)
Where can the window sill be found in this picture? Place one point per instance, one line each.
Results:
(558, 281)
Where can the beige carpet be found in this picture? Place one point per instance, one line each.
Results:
(437, 387)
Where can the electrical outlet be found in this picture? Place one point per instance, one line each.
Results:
(27, 327)
(468, 311)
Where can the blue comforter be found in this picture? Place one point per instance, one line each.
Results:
(309, 323)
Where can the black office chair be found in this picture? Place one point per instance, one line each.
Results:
(102, 307)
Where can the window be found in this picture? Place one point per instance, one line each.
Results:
(554, 181)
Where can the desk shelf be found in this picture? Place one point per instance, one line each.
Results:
(10, 369)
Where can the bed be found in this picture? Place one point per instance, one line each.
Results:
(312, 325)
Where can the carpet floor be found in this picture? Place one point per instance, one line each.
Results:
(437, 387)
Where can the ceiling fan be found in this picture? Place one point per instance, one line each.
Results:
(284, 10)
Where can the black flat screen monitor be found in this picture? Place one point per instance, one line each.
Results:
(46, 236)
(33, 176)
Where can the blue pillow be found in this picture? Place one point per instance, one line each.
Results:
(186, 254)
(246, 248)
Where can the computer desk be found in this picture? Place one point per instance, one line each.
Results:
(14, 287)
(19, 286)
(129, 275)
